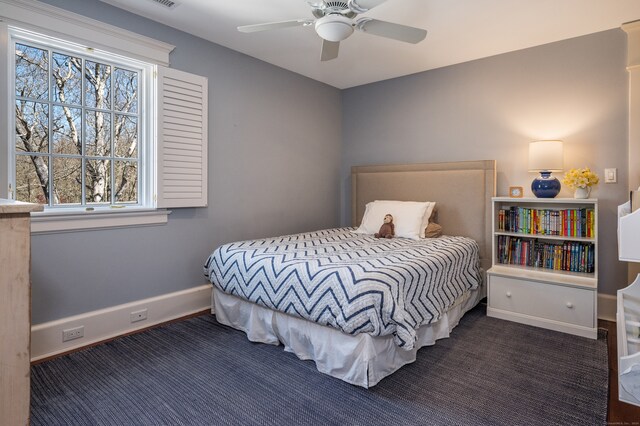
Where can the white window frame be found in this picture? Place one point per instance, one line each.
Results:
(27, 17)
(146, 100)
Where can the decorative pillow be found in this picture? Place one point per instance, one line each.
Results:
(428, 216)
(433, 230)
(407, 217)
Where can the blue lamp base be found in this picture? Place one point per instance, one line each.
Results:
(545, 186)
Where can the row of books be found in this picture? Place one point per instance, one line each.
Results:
(561, 256)
(578, 222)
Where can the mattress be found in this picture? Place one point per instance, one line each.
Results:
(350, 282)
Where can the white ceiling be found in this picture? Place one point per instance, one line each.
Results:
(458, 31)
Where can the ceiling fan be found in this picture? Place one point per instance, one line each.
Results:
(336, 20)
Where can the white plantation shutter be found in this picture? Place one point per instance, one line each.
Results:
(182, 139)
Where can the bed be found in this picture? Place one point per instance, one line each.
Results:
(358, 306)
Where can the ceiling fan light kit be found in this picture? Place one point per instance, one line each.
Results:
(335, 21)
(334, 27)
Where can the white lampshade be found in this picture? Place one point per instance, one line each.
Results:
(545, 155)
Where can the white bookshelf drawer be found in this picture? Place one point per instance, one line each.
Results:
(547, 301)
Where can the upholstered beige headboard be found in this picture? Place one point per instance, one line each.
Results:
(462, 191)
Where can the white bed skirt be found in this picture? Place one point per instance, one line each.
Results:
(361, 359)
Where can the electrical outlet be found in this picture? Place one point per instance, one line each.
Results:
(73, 333)
(140, 315)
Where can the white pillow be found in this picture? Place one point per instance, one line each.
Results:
(425, 219)
(407, 218)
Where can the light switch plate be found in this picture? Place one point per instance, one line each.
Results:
(610, 175)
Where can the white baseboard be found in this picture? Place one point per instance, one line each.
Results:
(46, 338)
(607, 307)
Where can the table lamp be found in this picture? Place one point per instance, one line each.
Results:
(545, 157)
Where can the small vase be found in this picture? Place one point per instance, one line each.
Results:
(582, 193)
(545, 186)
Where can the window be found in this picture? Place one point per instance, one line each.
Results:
(81, 140)
(94, 125)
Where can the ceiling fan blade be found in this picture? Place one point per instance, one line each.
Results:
(316, 4)
(329, 50)
(391, 30)
(274, 25)
(362, 6)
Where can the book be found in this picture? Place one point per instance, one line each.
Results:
(570, 256)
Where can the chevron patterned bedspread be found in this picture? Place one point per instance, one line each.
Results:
(355, 283)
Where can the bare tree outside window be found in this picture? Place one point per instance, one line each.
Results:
(77, 128)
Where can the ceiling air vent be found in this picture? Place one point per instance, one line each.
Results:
(169, 4)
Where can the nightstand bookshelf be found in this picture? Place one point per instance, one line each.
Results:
(545, 263)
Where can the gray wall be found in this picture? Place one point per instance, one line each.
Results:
(267, 150)
(274, 168)
(575, 90)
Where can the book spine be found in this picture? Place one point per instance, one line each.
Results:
(571, 256)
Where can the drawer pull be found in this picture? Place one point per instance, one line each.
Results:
(569, 305)
(508, 294)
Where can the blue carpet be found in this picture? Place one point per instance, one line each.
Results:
(198, 372)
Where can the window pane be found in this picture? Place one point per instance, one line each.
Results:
(126, 90)
(66, 128)
(76, 122)
(97, 85)
(32, 179)
(32, 72)
(97, 181)
(126, 140)
(98, 134)
(67, 180)
(67, 79)
(32, 124)
(126, 181)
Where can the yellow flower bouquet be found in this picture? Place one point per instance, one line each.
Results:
(580, 178)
